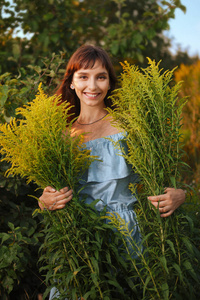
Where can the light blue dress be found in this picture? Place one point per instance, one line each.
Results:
(108, 180)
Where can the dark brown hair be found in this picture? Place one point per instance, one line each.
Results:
(85, 57)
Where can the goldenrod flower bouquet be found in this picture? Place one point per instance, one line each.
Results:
(77, 248)
(148, 109)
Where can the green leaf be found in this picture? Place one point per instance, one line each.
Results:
(3, 94)
(178, 269)
(5, 237)
(165, 291)
(8, 284)
(148, 279)
(112, 31)
(114, 47)
(138, 38)
(146, 237)
(94, 279)
(150, 33)
(190, 269)
(55, 38)
(95, 265)
(6, 257)
(48, 16)
(116, 284)
(171, 244)
(11, 226)
(173, 181)
(191, 223)
(188, 244)
(164, 263)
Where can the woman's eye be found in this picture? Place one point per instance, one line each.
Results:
(102, 77)
(83, 77)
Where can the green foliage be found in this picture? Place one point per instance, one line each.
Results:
(16, 90)
(15, 255)
(20, 242)
(134, 26)
(168, 266)
(81, 255)
(15, 204)
(148, 110)
(125, 28)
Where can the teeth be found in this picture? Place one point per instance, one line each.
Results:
(91, 95)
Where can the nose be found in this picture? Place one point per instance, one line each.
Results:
(92, 85)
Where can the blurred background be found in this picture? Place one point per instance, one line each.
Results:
(36, 40)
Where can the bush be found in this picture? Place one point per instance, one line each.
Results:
(20, 232)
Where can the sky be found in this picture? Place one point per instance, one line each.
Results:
(185, 28)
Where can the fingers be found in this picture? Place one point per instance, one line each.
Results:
(52, 199)
(61, 204)
(49, 189)
(169, 201)
(62, 200)
(164, 209)
(167, 195)
(163, 202)
(64, 190)
(169, 213)
(59, 196)
(162, 205)
(157, 198)
(168, 189)
(164, 199)
(159, 203)
(41, 204)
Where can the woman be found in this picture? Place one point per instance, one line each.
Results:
(87, 84)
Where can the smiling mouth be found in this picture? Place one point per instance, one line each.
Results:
(92, 95)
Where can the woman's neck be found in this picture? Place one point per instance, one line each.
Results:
(91, 116)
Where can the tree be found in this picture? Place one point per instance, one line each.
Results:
(125, 28)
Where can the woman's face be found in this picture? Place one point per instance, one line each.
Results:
(91, 85)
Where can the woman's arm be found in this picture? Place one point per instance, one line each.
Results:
(169, 201)
(52, 199)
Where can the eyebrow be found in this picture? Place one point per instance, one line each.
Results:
(85, 72)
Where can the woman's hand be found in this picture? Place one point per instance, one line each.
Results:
(169, 201)
(52, 199)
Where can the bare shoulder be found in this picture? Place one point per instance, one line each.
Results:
(97, 130)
